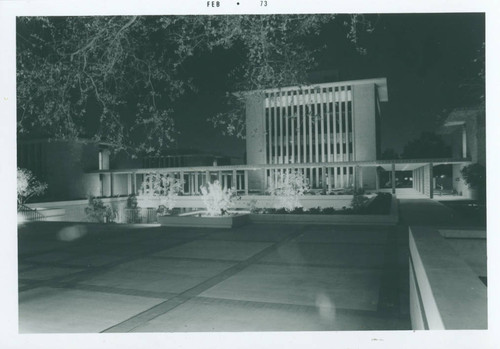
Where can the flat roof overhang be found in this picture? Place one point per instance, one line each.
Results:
(380, 84)
(399, 164)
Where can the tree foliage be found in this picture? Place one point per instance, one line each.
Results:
(287, 189)
(28, 186)
(116, 79)
(428, 145)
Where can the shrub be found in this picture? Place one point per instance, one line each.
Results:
(474, 175)
(132, 211)
(287, 189)
(359, 201)
(328, 210)
(28, 186)
(216, 199)
(132, 201)
(166, 187)
(314, 210)
(97, 212)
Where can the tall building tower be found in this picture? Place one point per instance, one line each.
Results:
(317, 125)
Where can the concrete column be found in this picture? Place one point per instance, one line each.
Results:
(246, 181)
(323, 178)
(393, 177)
(286, 150)
(134, 183)
(431, 179)
(292, 126)
(355, 182)
(361, 184)
(196, 184)
(464, 141)
(181, 174)
(234, 180)
(207, 176)
(129, 183)
(110, 184)
(377, 180)
(330, 178)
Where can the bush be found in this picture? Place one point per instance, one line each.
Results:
(359, 201)
(97, 212)
(381, 204)
(474, 175)
(216, 199)
(166, 187)
(132, 212)
(328, 210)
(28, 186)
(314, 210)
(287, 189)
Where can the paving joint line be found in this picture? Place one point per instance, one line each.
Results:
(275, 305)
(76, 277)
(115, 290)
(147, 315)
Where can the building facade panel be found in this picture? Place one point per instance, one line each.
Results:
(320, 124)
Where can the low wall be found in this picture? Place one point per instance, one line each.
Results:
(368, 219)
(260, 201)
(445, 293)
(74, 211)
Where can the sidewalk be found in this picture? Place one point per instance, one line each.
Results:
(426, 212)
(265, 277)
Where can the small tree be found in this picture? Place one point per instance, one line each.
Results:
(97, 212)
(359, 200)
(132, 211)
(28, 186)
(474, 176)
(165, 187)
(287, 190)
(216, 199)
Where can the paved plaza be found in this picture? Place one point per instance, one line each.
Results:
(118, 278)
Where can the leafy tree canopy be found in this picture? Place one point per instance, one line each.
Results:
(116, 79)
(428, 145)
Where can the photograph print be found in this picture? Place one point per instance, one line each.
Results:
(248, 173)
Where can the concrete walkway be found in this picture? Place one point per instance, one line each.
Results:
(430, 213)
(111, 278)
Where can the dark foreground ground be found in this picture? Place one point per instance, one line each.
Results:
(110, 278)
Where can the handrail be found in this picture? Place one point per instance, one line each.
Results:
(30, 214)
(362, 163)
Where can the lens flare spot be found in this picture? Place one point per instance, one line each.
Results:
(72, 233)
(326, 307)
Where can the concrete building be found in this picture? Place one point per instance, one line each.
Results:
(466, 128)
(64, 166)
(327, 131)
(321, 124)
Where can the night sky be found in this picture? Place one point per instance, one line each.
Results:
(425, 57)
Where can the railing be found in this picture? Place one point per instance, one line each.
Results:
(140, 215)
(251, 179)
(29, 214)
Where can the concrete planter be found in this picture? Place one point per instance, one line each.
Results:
(193, 219)
(52, 214)
(388, 219)
(445, 291)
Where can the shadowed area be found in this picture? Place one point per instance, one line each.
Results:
(259, 277)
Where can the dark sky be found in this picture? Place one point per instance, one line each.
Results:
(425, 58)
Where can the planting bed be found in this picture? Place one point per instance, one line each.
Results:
(197, 219)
